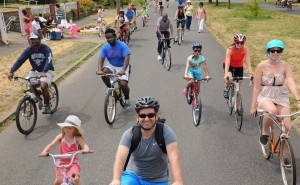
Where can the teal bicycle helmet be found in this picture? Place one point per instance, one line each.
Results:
(274, 44)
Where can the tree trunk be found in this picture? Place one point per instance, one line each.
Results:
(228, 4)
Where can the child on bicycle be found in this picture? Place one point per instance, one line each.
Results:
(144, 13)
(71, 140)
(193, 67)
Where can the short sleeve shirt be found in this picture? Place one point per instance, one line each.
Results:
(148, 161)
(163, 26)
(115, 54)
(130, 14)
(196, 63)
(121, 20)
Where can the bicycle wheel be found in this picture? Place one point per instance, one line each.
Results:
(168, 59)
(143, 22)
(270, 135)
(110, 107)
(26, 115)
(230, 101)
(54, 97)
(239, 113)
(179, 36)
(189, 96)
(287, 162)
(197, 110)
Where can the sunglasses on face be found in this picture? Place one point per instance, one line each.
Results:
(276, 50)
(241, 43)
(197, 50)
(150, 115)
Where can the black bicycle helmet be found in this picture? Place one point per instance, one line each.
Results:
(146, 102)
(197, 45)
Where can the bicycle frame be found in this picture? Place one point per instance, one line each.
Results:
(281, 126)
(195, 87)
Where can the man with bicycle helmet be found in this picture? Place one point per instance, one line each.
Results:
(193, 66)
(234, 62)
(152, 166)
(269, 91)
(118, 56)
(162, 31)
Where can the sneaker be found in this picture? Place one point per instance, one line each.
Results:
(47, 39)
(169, 46)
(225, 93)
(135, 28)
(185, 92)
(43, 40)
(127, 104)
(184, 34)
(199, 31)
(159, 58)
(239, 112)
(47, 110)
(263, 140)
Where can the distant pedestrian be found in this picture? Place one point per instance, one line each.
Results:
(201, 16)
(27, 23)
(100, 10)
(59, 13)
(189, 14)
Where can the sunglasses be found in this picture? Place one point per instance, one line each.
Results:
(276, 50)
(241, 43)
(150, 115)
(197, 50)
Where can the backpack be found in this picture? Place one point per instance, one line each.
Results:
(137, 135)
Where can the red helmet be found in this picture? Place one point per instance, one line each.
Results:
(239, 38)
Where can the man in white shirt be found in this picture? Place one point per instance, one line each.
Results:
(37, 28)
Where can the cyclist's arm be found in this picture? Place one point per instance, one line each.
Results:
(82, 143)
(23, 57)
(116, 23)
(48, 59)
(100, 63)
(291, 82)
(173, 155)
(176, 15)
(248, 61)
(126, 62)
(121, 155)
(187, 67)
(227, 62)
(256, 87)
(171, 29)
(51, 145)
(158, 31)
(205, 69)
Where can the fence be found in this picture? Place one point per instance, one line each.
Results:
(3, 29)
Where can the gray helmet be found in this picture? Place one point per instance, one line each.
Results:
(146, 102)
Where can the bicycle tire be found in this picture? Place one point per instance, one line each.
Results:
(260, 123)
(197, 110)
(189, 97)
(54, 97)
(286, 155)
(22, 112)
(168, 59)
(179, 36)
(144, 23)
(239, 117)
(230, 99)
(110, 107)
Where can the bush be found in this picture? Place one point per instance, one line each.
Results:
(87, 5)
(254, 8)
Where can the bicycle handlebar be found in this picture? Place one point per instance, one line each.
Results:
(240, 78)
(26, 78)
(110, 74)
(197, 79)
(66, 156)
(262, 111)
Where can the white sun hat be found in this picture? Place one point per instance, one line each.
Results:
(188, 1)
(72, 121)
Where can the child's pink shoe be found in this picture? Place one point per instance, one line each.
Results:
(185, 92)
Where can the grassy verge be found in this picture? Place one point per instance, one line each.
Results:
(224, 23)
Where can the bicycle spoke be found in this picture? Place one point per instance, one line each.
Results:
(110, 108)
(26, 115)
(239, 112)
(168, 59)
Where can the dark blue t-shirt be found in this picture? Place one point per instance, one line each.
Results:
(115, 54)
(40, 60)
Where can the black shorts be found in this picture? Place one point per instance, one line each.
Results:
(182, 23)
(236, 71)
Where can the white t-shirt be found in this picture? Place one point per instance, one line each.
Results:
(121, 20)
(36, 26)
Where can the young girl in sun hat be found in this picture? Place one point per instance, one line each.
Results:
(71, 140)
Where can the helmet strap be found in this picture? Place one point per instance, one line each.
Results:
(272, 60)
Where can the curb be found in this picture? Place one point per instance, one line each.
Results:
(58, 77)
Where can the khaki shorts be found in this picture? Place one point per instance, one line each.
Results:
(115, 70)
(48, 79)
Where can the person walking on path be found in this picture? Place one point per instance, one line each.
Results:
(149, 163)
(201, 16)
(189, 14)
(27, 23)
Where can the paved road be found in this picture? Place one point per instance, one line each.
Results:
(214, 153)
